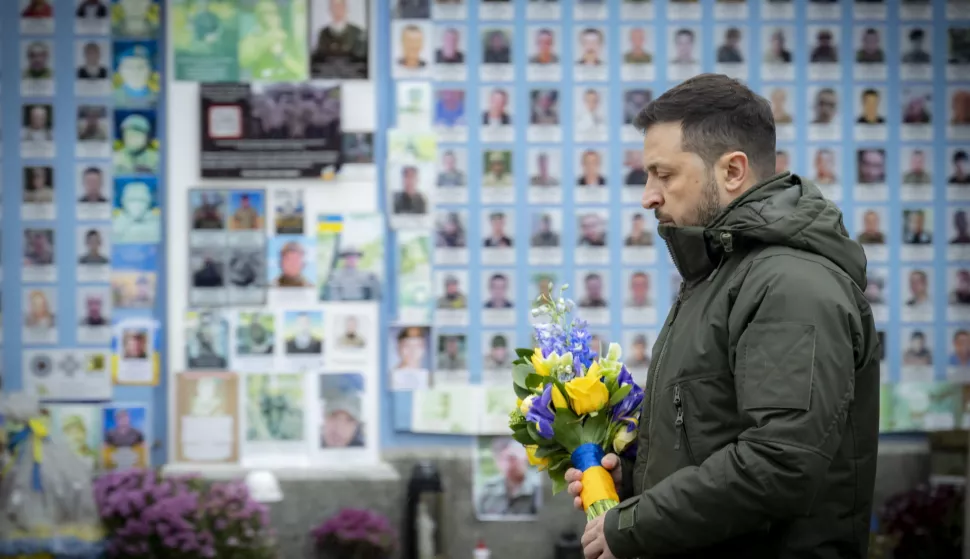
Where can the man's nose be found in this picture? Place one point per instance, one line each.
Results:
(651, 199)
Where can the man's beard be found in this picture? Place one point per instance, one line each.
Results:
(708, 208)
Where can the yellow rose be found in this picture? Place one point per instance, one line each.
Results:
(594, 370)
(587, 394)
(541, 365)
(541, 463)
(623, 439)
(559, 400)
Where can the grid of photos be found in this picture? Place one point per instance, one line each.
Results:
(515, 166)
(86, 180)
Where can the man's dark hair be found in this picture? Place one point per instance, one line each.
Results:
(497, 277)
(960, 333)
(92, 171)
(717, 114)
(870, 91)
(593, 31)
(916, 35)
(960, 156)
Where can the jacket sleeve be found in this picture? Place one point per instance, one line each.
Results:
(792, 329)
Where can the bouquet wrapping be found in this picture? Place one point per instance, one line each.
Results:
(46, 499)
(574, 405)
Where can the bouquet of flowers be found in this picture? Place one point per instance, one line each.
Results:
(356, 534)
(574, 405)
(148, 515)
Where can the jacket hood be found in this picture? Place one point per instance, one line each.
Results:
(784, 210)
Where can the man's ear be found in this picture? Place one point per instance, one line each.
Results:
(735, 171)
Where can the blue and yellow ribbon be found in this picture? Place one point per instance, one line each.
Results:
(35, 432)
(599, 492)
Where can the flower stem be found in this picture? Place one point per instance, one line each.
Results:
(599, 508)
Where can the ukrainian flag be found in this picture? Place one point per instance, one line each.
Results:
(330, 224)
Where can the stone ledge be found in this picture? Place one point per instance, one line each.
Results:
(381, 471)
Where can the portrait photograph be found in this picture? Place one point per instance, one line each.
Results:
(349, 330)
(451, 229)
(288, 211)
(135, 19)
(917, 354)
(497, 179)
(870, 114)
(409, 358)
(38, 255)
(37, 68)
(876, 292)
(207, 212)
(544, 52)
(683, 52)
(917, 113)
(545, 229)
(504, 486)
(916, 293)
(498, 229)
(136, 346)
(449, 117)
(125, 439)
(350, 257)
(291, 262)
(823, 57)
(870, 53)
(871, 166)
(450, 46)
(958, 167)
(136, 146)
(92, 17)
(958, 357)
(40, 310)
(450, 358)
(824, 113)
(255, 334)
(592, 295)
(93, 131)
(496, 49)
(590, 113)
(872, 224)
(136, 81)
(638, 46)
(93, 247)
(498, 297)
(731, 53)
(411, 48)
(591, 183)
(136, 215)
(342, 421)
(958, 53)
(38, 193)
(339, 39)
(916, 54)
(958, 113)
(275, 408)
(92, 60)
(207, 269)
(36, 17)
(544, 115)
(206, 340)
(917, 168)
(78, 427)
(591, 63)
(544, 168)
(591, 227)
(452, 169)
(497, 118)
(451, 290)
(778, 44)
(37, 132)
(303, 333)
(410, 187)
(634, 101)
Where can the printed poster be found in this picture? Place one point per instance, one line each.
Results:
(125, 437)
(240, 40)
(207, 408)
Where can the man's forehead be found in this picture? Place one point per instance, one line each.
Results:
(662, 144)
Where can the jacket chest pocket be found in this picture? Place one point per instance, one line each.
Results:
(705, 415)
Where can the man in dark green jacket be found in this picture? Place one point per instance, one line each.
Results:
(759, 431)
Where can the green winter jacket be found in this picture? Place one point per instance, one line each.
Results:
(759, 430)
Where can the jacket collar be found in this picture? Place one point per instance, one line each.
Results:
(698, 251)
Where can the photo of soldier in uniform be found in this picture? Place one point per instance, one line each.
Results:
(135, 146)
(340, 46)
(504, 486)
(274, 407)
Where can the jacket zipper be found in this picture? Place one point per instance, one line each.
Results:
(651, 379)
(679, 424)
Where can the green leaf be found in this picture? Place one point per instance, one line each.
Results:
(618, 396)
(523, 437)
(521, 391)
(595, 428)
(562, 462)
(558, 478)
(520, 362)
(524, 353)
(568, 429)
(535, 380)
(538, 439)
(520, 373)
(547, 452)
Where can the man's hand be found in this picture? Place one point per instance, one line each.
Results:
(594, 540)
(574, 478)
